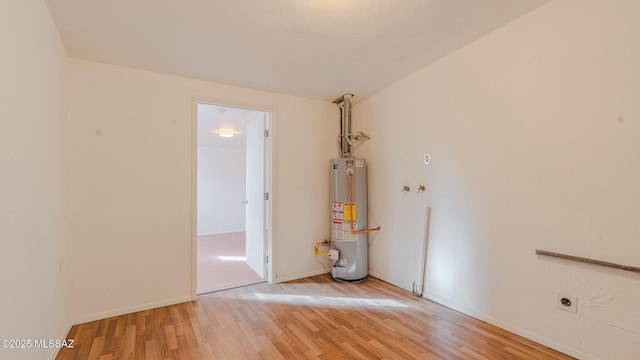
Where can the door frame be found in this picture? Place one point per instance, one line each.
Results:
(270, 125)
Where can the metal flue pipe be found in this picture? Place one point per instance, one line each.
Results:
(344, 102)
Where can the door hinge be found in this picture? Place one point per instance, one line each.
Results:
(266, 133)
(266, 196)
(266, 259)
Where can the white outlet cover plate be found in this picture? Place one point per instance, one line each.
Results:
(427, 159)
(574, 302)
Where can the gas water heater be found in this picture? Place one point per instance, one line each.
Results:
(349, 254)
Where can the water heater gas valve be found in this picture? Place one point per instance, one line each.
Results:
(334, 255)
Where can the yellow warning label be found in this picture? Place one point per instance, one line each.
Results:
(349, 211)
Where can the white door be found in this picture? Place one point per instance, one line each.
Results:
(256, 203)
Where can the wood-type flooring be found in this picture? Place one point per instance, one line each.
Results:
(312, 318)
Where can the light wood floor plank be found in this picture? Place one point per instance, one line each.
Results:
(314, 318)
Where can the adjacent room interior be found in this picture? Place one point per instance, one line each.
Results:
(231, 181)
(498, 140)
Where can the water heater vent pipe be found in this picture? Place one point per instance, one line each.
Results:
(344, 102)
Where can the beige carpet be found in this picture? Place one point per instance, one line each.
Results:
(221, 263)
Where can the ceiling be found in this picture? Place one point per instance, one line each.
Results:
(312, 48)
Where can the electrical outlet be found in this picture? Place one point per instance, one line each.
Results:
(567, 302)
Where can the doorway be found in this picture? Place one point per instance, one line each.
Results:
(232, 188)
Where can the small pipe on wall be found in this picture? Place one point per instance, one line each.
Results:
(419, 288)
(589, 261)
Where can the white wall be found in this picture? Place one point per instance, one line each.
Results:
(221, 190)
(130, 136)
(534, 132)
(32, 184)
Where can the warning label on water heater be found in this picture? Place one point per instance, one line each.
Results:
(341, 231)
(337, 210)
(349, 211)
(343, 211)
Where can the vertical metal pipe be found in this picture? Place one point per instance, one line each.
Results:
(341, 143)
(341, 138)
(418, 289)
(346, 108)
(344, 103)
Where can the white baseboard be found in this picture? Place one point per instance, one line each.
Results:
(514, 329)
(63, 336)
(118, 312)
(222, 232)
(302, 276)
(377, 276)
(315, 273)
(501, 324)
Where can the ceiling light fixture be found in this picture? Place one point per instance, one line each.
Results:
(227, 133)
